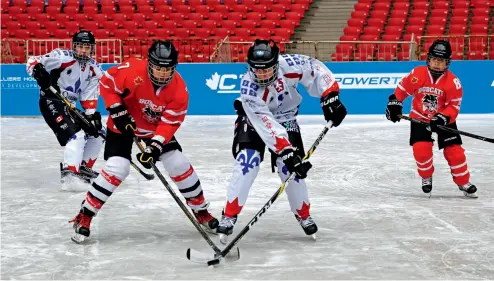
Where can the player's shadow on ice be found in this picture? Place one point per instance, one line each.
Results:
(434, 196)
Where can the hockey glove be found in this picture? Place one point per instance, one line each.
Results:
(151, 154)
(333, 109)
(439, 120)
(394, 109)
(42, 77)
(237, 104)
(95, 120)
(295, 164)
(122, 119)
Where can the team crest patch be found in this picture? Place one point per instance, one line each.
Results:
(151, 115)
(414, 80)
(429, 103)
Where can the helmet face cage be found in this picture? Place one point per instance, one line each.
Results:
(263, 63)
(81, 40)
(83, 57)
(162, 59)
(264, 76)
(440, 49)
(168, 73)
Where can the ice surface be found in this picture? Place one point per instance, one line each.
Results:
(374, 221)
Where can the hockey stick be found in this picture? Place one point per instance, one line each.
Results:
(447, 129)
(180, 203)
(218, 256)
(88, 124)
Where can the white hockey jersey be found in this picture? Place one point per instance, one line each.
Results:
(77, 81)
(267, 107)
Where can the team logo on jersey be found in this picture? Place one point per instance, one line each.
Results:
(429, 102)
(151, 115)
(248, 161)
(414, 80)
(138, 80)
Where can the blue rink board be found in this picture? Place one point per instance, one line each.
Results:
(365, 87)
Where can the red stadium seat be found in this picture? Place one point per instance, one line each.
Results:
(419, 13)
(376, 22)
(121, 33)
(393, 30)
(209, 24)
(437, 21)
(438, 4)
(352, 31)
(41, 34)
(371, 30)
(253, 24)
(369, 38)
(280, 8)
(417, 30)
(381, 7)
(359, 15)
(439, 13)
(459, 20)
(459, 12)
(355, 22)
(396, 22)
(479, 29)
(480, 20)
(340, 57)
(364, 7)
(435, 30)
(404, 6)
(89, 25)
(458, 29)
(460, 4)
(476, 56)
(421, 5)
(480, 12)
(379, 14)
(417, 21)
(403, 56)
(260, 9)
(385, 56)
(481, 4)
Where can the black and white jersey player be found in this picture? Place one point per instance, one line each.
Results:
(267, 110)
(74, 74)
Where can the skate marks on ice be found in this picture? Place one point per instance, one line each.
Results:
(374, 221)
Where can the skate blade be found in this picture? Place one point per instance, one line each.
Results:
(209, 230)
(470, 195)
(78, 238)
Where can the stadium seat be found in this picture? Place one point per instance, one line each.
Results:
(459, 12)
(435, 30)
(364, 7)
(437, 21)
(480, 20)
(421, 5)
(479, 29)
(385, 56)
(355, 22)
(359, 15)
(457, 29)
(403, 6)
(400, 22)
(417, 21)
(480, 12)
(438, 4)
(393, 30)
(352, 31)
(369, 38)
(457, 20)
(376, 22)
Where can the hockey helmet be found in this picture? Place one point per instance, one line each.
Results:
(262, 58)
(440, 49)
(83, 45)
(162, 62)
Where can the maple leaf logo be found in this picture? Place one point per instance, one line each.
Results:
(138, 80)
(280, 144)
(213, 82)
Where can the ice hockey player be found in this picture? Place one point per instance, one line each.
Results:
(437, 95)
(267, 110)
(146, 98)
(74, 74)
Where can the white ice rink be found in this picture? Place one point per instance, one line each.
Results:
(374, 221)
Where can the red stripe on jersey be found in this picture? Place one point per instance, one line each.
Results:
(265, 96)
(66, 64)
(334, 88)
(111, 179)
(293, 75)
(184, 175)
(89, 104)
(93, 201)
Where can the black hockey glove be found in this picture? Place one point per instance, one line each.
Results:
(439, 120)
(294, 163)
(42, 77)
(95, 120)
(393, 109)
(333, 109)
(152, 153)
(122, 119)
(237, 104)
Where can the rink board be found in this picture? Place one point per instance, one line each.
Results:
(213, 87)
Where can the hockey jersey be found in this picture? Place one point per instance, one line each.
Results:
(76, 81)
(430, 97)
(158, 113)
(267, 107)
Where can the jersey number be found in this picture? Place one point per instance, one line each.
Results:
(457, 83)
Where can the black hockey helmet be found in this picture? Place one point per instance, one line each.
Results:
(440, 49)
(83, 39)
(163, 60)
(262, 58)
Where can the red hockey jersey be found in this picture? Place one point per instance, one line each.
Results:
(429, 97)
(157, 113)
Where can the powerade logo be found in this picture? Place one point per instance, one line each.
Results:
(224, 83)
(369, 80)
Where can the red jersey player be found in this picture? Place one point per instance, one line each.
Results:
(148, 99)
(437, 95)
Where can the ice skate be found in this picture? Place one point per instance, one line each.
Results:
(72, 181)
(225, 228)
(88, 172)
(469, 190)
(81, 226)
(206, 220)
(427, 185)
(308, 225)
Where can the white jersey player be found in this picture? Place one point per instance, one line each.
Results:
(75, 75)
(267, 109)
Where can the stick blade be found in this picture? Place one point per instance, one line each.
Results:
(212, 259)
